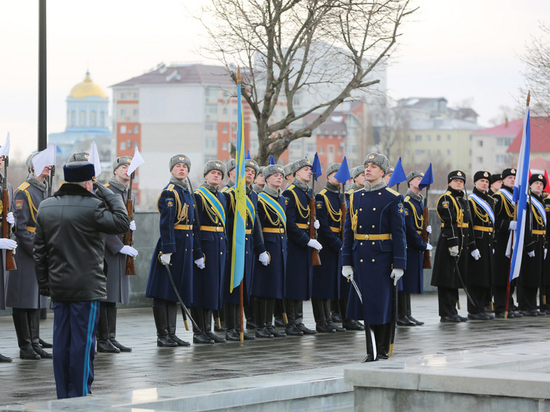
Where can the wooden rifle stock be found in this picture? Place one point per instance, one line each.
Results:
(315, 258)
(10, 260)
(129, 236)
(426, 217)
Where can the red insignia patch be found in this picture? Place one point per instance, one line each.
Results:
(19, 204)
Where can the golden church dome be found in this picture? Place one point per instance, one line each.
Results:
(87, 88)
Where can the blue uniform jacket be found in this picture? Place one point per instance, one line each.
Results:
(413, 279)
(374, 213)
(175, 206)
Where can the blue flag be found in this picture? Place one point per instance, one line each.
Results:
(428, 178)
(271, 160)
(316, 167)
(398, 175)
(248, 151)
(343, 175)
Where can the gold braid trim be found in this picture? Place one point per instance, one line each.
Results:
(303, 211)
(459, 211)
(334, 215)
(353, 214)
(507, 205)
(537, 216)
(418, 222)
(275, 223)
(210, 212)
(481, 214)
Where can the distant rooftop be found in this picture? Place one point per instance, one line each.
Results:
(510, 128)
(540, 136)
(442, 124)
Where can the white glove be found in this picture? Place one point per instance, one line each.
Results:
(316, 224)
(200, 263)
(314, 244)
(396, 274)
(165, 258)
(7, 244)
(531, 254)
(429, 228)
(128, 250)
(513, 225)
(453, 251)
(545, 251)
(347, 272)
(264, 258)
(133, 225)
(10, 218)
(475, 254)
(429, 247)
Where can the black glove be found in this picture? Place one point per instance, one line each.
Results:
(45, 291)
(101, 191)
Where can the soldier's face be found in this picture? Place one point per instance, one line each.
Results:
(495, 187)
(275, 180)
(260, 181)
(304, 174)
(482, 185)
(332, 180)
(537, 187)
(457, 184)
(360, 180)
(413, 184)
(213, 177)
(2, 162)
(387, 177)
(250, 173)
(231, 175)
(373, 173)
(45, 172)
(509, 181)
(180, 171)
(121, 173)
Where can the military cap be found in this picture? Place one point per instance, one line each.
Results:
(180, 158)
(333, 168)
(214, 165)
(120, 161)
(261, 170)
(413, 174)
(253, 164)
(538, 178)
(508, 172)
(495, 178)
(379, 160)
(229, 166)
(356, 171)
(389, 172)
(28, 163)
(456, 174)
(78, 157)
(80, 171)
(272, 169)
(482, 174)
(288, 169)
(299, 164)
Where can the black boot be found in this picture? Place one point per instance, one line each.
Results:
(208, 327)
(5, 358)
(33, 315)
(291, 328)
(199, 333)
(270, 306)
(230, 315)
(45, 344)
(261, 314)
(383, 338)
(172, 315)
(161, 322)
(335, 314)
(111, 324)
(249, 311)
(409, 315)
(104, 345)
(23, 332)
(372, 354)
(254, 322)
(328, 316)
(319, 315)
(278, 310)
(299, 311)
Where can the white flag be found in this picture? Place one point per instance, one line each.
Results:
(136, 162)
(44, 158)
(5, 149)
(94, 159)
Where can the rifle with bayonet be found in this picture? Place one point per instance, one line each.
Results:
(6, 227)
(129, 236)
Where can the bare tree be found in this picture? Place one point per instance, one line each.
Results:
(323, 52)
(392, 127)
(537, 74)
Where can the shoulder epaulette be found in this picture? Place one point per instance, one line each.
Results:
(291, 187)
(350, 191)
(322, 192)
(447, 193)
(23, 186)
(407, 198)
(393, 191)
(170, 186)
(107, 185)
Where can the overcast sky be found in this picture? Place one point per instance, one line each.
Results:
(461, 50)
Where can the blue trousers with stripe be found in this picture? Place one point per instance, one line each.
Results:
(74, 329)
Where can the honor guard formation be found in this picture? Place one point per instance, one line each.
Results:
(357, 253)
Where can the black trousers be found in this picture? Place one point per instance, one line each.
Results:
(499, 293)
(447, 298)
(479, 296)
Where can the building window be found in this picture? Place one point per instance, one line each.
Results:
(122, 96)
(73, 118)
(448, 152)
(93, 118)
(123, 112)
(211, 109)
(340, 150)
(310, 147)
(438, 151)
(331, 149)
(480, 159)
(136, 95)
(224, 111)
(418, 153)
(480, 143)
(322, 150)
(136, 112)
(210, 126)
(418, 138)
(102, 119)
(82, 119)
(428, 138)
(122, 145)
(448, 137)
(224, 146)
(504, 141)
(438, 138)
(235, 112)
(224, 128)
(122, 128)
(136, 129)
(501, 159)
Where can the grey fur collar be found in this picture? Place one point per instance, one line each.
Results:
(377, 186)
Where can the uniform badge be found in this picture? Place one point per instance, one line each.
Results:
(181, 158)
(459, 173)
(372, 156)
(406, 212)
(170, 202)
(86, 156)
(486, 174)
(19, 204)
(513, 171)
(286, 200)
(540, 176)
(400, 207)
(445, 205)
(547, 208)
(319, 204)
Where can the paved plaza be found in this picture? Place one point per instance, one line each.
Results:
(25, 381)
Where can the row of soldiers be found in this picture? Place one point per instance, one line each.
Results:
(474, 248)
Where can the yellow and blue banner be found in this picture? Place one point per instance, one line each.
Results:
(239, 228)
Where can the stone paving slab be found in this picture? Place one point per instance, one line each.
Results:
(25, 381)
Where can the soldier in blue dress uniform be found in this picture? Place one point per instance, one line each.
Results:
(269, 277)
(230, 168)
(178, 246)
(208, 280)
(481, 263)
(326, 277)
(374, 254)
(299, 284)
(413, 279)
(253, 246)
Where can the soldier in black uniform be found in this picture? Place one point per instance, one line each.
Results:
(481, 263)
(534, 249)
(118, 283)
(545, 286)
(495, 184)
(504, 215)
(455, 243)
